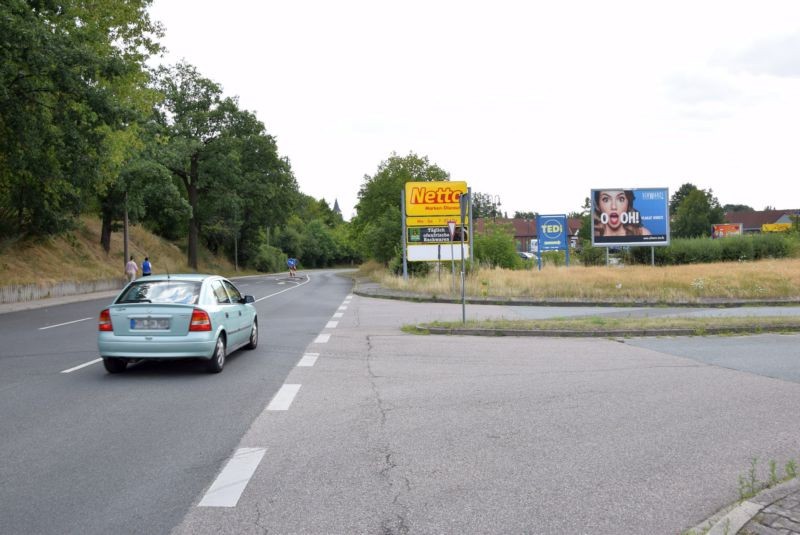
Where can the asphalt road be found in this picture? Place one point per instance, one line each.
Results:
(91, 453)
(378, 431)
(394, 433)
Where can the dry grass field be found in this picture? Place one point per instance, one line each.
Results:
(762, 280)
(78, 256)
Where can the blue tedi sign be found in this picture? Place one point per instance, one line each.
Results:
(552, 232)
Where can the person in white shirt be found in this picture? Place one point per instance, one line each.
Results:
(131, 269)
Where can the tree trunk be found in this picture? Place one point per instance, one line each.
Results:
(194, 225)
(105, 233)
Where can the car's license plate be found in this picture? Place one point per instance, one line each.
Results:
(151, 324)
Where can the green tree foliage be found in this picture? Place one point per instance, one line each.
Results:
(525, 215)
(678, 197)
(737, 208)
(695, 214)
(377, 227)
(485, 206)
(235, 182)
(497, 247)
(71, 78)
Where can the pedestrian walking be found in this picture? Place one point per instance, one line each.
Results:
(292, 263)
(147, 267)
(131, 269)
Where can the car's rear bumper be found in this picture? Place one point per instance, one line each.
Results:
(162, 347)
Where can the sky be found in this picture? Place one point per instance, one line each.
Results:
(535, 103)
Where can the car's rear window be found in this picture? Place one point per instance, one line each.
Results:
(148, 291)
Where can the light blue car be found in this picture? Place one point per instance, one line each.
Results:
(176, 317)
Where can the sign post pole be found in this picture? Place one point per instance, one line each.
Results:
(462, 201)
(451, 225)
(404, 243)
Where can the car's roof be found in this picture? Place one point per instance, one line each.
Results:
(192, 277)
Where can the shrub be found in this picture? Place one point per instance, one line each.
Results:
(591, 256)
(269, 259)
(415, 269)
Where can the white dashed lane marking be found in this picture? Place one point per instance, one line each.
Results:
(331, 324)
(322, 338)
(308, 360)
(283, 399)
(231, 482)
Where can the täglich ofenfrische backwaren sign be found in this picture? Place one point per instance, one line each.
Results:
(420, 235)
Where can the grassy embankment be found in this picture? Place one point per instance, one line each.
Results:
(753, 282)
(78, 256)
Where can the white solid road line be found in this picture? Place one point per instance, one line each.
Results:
(322, 338)
(230, 483)
(283, 399)
(62, 324)
(81, 366)
(308, 279)
(308, 360)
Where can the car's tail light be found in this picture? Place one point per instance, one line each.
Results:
(200, 321)
(104, 323)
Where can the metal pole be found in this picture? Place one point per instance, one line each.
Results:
(403, 242)
(453, 266)
(652, 256)
(463, 210)
(471, 229)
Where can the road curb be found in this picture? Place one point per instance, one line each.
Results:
(612, 333)
(732, 520)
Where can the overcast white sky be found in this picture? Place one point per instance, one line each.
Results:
(536, 102)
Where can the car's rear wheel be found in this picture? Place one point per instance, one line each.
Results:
(253, 343)
(114, 365)
(217, 361)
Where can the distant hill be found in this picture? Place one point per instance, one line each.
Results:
(78, 256)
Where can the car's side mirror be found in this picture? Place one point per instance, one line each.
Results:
(249, 299)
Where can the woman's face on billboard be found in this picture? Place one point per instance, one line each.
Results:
(612, 204)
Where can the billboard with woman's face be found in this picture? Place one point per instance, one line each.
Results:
(630, 217)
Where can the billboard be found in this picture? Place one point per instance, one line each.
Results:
(430, 208)
(636, 216)
(776, 227)
(721, 230)
(552, 232)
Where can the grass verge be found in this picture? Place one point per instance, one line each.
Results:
(601, 325)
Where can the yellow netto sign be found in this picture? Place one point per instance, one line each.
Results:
(776, 227)
(434, 199)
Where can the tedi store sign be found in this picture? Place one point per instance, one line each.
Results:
(552, 232)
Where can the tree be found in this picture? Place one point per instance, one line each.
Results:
(497, 247)
(694, 216)
(212, 146)
(485, 205)
(72, 76)
(678, 197)
(526, 215)
(377, 225)
(737, 208)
